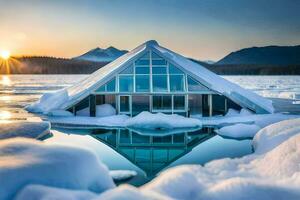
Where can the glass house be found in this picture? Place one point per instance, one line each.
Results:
(152, 78)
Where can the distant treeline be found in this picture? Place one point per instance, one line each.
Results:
(52, 65)
(49, 65)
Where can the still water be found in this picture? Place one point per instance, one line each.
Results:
(146, 153)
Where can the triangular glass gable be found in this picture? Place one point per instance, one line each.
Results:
(194, 86)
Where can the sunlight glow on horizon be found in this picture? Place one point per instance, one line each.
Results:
(5, 54)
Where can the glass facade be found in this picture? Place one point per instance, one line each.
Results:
(151, 83)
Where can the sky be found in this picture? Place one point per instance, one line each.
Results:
(202, 29)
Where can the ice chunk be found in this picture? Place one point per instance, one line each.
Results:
(239, 131)
(147, 120)
(24, 129)
(26, 161)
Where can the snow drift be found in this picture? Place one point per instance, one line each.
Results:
(26, 161)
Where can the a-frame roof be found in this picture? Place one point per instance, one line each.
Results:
(241, 96)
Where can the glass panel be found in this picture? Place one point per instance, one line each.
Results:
(155, 56)
(162, 102)
(159, 70)
(140, 104)
(195, 104)
(174, 70)
(194, 85)
(146, 55)
(177, 83)
(142, 83)
(160, 83)
(159, 62)
(142, 70)
(128, 70)
(111, 85)
(142, 62)
(179, 102)
(124, 104)
(126, 83)
(101, 89)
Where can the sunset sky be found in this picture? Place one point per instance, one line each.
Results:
(203, 29)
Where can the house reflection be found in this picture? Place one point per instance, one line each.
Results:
(152, 153)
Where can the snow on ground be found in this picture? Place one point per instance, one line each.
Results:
(24, 129)
(272, 172)
(26, 161)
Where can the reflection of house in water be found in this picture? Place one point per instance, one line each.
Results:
(152, 153)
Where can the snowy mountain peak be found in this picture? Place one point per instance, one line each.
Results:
(101, 55)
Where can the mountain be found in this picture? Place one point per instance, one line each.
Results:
(101, 55)
(269, 55)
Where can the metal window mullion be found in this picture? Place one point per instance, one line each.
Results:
(150, 66)
(168, 78)
(134, 76)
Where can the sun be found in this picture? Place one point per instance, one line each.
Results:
(5, 54)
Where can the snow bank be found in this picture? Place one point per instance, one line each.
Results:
(273, 135)
(105, 110)
(24, 161)
(24, 129)
(239, 131)
(48, 102)
(147, 120)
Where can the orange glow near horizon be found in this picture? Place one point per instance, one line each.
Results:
(5, 54)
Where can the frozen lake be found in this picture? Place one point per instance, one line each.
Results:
(122, 149)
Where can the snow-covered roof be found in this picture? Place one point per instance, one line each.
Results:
(213, 81)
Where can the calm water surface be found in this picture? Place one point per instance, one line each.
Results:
(146, 153)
